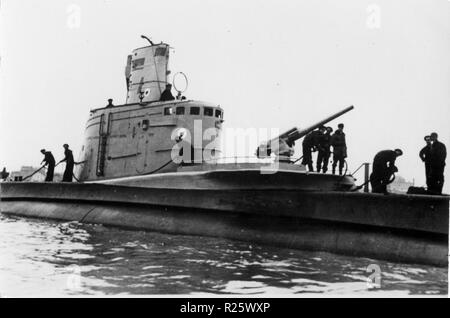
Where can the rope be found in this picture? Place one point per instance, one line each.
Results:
(38, 171)
(156, 170)
(345, 172)
(298, 159)
(77, 163)
(73, 175)
(360, 186)
(33, 173)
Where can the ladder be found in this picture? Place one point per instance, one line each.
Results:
(102, 143)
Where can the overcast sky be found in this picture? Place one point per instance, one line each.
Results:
(267, 63)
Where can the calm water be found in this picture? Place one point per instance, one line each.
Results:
(47, 258)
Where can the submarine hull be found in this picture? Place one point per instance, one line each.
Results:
(401, 228)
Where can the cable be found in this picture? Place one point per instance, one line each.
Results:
(298, 159)
(34, 173)
(77, 163)
(73, 175)
(156, 170)
(38, 171)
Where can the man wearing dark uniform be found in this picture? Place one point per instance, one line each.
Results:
(309, 145)
(438, 155)
(339, 148)
(425, 156)
(68, 158)
(167, 94)
(49, 161)
(323, 147)
(4, 174)
(382, 169)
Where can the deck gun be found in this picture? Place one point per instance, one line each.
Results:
(290, 136)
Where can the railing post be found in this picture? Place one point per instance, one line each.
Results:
(366, 177)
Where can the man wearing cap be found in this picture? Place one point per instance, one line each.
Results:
(438, 154)
(309, 145)
(425, 156)
(383, 168)
(68, 158)
(323, 147)
(48, 161)
(167, 94)
(339, 148)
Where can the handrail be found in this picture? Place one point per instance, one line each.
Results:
(247, 157)
(362, 165)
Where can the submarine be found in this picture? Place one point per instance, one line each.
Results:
(156, 164)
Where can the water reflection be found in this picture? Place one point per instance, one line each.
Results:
(45, 258)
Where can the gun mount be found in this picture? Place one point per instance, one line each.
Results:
(290, 136)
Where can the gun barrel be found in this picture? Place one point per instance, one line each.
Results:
(294, 134)
(307, 130)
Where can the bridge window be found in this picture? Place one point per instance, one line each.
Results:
(208, 111)
(195, 110)
(168, 111)
(180, 111)
(219, 113)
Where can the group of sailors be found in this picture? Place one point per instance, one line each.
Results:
(50, 163)
(321, 140)
(383, 168)
(433, 155)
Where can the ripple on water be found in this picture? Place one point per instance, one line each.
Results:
(46, 258)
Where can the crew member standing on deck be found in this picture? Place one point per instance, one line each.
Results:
(324, 152)
(68, 158)
(48, 161)
(438, 155)
(309, 145)
(382, 169)
(339, 148)
(4, 174)
(425, 156)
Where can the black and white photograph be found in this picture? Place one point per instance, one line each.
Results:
(205, 150)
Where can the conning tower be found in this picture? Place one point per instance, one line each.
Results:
(145, 135)
(147, 73)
